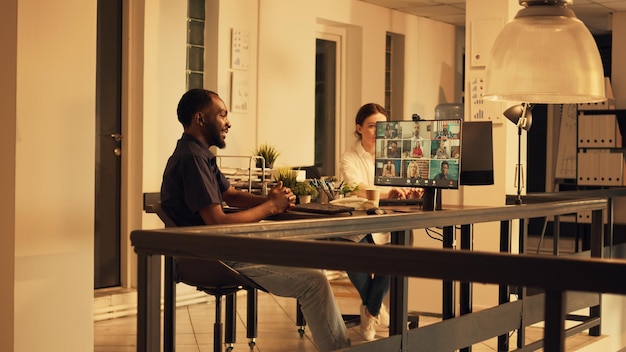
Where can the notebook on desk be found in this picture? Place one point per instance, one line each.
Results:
(318, 208)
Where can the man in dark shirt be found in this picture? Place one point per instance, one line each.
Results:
(443, 175)
(194, 189)
(394, 150)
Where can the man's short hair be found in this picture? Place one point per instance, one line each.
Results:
(192, 101)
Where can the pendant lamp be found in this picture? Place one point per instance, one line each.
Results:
(545, 55)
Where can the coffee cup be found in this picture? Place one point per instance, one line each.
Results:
(373, 196)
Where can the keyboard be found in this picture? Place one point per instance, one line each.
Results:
(398, 202)
(319, 208)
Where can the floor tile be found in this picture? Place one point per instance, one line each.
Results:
(277, 330)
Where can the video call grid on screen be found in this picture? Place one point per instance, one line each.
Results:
(415, 153)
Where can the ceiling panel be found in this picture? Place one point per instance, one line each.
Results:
(596, 14)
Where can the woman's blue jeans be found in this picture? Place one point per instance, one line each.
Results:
(371, 287)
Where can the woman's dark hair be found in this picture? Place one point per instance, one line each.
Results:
(366, 111)
(192, 101)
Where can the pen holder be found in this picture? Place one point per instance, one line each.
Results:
(336, 193)
(326, 195)
(322, 196)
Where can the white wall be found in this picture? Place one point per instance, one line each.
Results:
(47, 101)
(241, 15)
(486, 236)
(283, 67)
(286, 78)
(281, 73)
(164, 82)
(54, 174)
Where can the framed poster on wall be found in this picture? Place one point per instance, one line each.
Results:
(240, 50)
(239, 91)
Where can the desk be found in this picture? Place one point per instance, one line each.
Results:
(609, 193)
(280, 243)
(595, 246)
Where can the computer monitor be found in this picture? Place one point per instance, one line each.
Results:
(477, 160)
(423, 153)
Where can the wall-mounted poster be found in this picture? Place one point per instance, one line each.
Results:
(239, 92)
(240, 50)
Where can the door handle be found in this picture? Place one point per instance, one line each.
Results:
(116, 137)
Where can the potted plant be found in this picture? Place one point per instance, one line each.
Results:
(305, 191)
(287, 175)
(350, 188)
(269, 154)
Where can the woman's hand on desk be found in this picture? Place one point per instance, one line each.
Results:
(414, 193)
(397, 193)
(406, 193)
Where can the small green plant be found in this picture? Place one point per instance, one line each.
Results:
(349, 188)
(286, 174)
(304, 188)
(268, 152)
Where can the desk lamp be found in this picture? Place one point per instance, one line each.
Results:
(521, 116)
(545, 55)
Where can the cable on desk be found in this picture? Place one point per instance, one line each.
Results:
(428, 233)
(543, 234)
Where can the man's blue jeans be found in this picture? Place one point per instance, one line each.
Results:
(313, 291)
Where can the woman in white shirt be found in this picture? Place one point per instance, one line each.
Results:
(357, 166)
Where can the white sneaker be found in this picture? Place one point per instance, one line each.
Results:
(368, 324)
(383, 316)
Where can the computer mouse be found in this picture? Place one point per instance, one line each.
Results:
(375, 211)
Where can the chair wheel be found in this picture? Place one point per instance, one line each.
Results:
(229, 348)
(252, 343)
(301, 331)
(414, 322)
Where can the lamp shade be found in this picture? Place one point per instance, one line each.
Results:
(520, 115)
(545, 55)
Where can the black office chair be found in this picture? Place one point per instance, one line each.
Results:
(210, 276)
(217, 279)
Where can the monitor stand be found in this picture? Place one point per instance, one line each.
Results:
(431, 199)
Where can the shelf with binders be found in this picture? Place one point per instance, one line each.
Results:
(243, 174)
(601, 154)
(600, 148)
(601, 128)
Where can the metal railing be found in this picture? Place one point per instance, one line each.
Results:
(289, 243)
